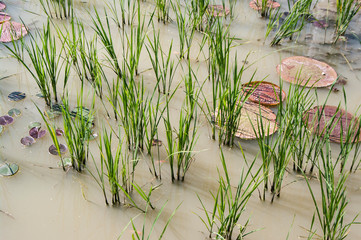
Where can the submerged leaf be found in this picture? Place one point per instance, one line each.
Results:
(9, 169)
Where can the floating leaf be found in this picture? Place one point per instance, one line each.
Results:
(6, 120)
(2, 6)
(54, 151)
(265, 93)
(27, 141)
(36, 132)
(14, 112)
(8, 169)
(306, 72)
(218, 10)
(16, 96)
(1, 129)
(320, 118)
(12, 31)
(4, 17)
(59, 132)
(257, 4)
(34, 124)
(82, 112)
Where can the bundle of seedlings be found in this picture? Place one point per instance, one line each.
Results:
(62, 9)
(293, 23)
(48, 63)
(229, 205)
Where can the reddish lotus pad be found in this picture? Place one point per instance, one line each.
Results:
(218, 10)
(265, 93)
(4, 17)
(12, 30)
(306, 72)
(2, 6)
(6, 120)
(319, 118)
(257, 4)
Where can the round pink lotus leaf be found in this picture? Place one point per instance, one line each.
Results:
(36, 132)
(334, 119)
(2, 6)
(54, 151)
(257, 4)
(306, 72)
(27, 141)
(218, 10)
(265, 93)
(6, 120)
(12, 31)
(4, 17)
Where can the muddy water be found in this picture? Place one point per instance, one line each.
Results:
(43, 202)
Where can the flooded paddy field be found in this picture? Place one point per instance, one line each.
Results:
(43, 201)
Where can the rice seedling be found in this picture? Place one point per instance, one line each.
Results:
(298, 101)
(155, 115)
(294, 22)
(265, 150)
(141, 235)
(133, 112)
(127, 11)
(346, 10)
(162, 8)
(58, 8)
(47, 62)
(104, 33)
(133, 43)
(77, 131)
(163, 67)
(232, 4)
(229, 206)
(111, 162)
(181, 142)
(330, 214)
(198, 9)
(186, 30)
(227, 95)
